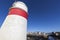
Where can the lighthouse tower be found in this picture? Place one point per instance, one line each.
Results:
(15, 25)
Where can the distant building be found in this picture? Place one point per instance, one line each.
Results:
(43, 36)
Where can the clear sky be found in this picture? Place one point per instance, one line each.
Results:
(44, 15)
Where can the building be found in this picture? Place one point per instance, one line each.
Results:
(42, 35)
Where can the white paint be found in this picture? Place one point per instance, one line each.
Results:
(20, 5)
(14, 28)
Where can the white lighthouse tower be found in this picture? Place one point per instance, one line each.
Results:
(15, 24)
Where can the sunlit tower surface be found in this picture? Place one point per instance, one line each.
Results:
(15, 24)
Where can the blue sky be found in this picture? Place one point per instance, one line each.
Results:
(44, 15)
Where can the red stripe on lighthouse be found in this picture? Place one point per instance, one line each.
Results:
(17, 11)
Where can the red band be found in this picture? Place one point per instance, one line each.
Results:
(17, 11)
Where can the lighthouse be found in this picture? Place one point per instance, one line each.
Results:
(14, 26)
